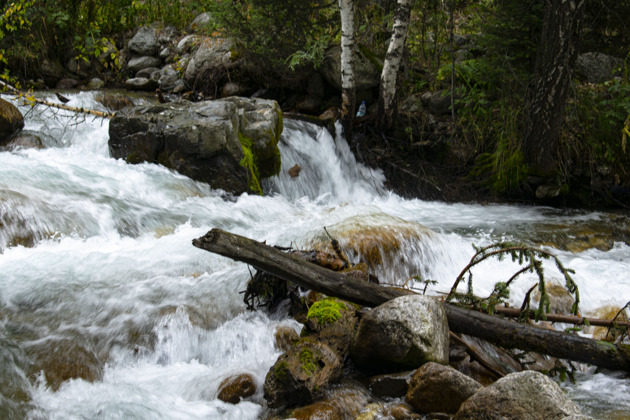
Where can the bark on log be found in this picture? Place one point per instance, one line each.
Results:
(494, 329)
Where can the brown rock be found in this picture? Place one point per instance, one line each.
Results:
(294, 171)
(286, 337)
(439, 388)
(62, 360)
(236, 388)
(11, 120)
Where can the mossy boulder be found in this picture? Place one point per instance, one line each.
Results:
(11, 120)
(208, 141)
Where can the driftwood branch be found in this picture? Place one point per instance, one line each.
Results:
(81, 110)
(500, 331)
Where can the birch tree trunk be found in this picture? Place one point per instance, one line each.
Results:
(348, 100)
(546, 98)
(394, 54)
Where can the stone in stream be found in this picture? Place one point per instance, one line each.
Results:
(11, 120)
(230, 143)
(525, 395)
(237, 387)
(402, 333)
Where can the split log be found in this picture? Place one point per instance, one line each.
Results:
(494, 329)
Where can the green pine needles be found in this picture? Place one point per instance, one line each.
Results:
(531, 259)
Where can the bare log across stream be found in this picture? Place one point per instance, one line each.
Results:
(494, 329)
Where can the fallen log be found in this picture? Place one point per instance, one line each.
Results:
(500, 331)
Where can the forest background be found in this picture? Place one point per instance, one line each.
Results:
(521, 123)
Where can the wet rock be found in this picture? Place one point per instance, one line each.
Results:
(560, 300)
(608, 312)
(62, 360)
(143, 62)
(140, 83)
(300, 374)
(598, 67)
(378, 240)
(203, 140)
(23, 140)
(405, 332)
(144, 42)
(439, 388)
(114, 102)
(286, 337)
(393, 385)
(236, 388)
(15, 394)
(11, 120)
(366, 73)
(346, 402)
(525, 395)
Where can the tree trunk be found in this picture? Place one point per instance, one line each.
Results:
(490, 328)
(394, 54)
(546, 97)
(348, 100)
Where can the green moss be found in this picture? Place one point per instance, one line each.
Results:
(307, 361)
(281, 371)
(249, 162)
(371, 57)
(326, 311)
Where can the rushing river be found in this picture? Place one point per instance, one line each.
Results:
(96, 254)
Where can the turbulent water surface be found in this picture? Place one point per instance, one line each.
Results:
(97, 253)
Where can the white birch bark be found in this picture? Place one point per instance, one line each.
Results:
(392, 61)
(347, 64)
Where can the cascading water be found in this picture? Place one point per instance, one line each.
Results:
(96, 256)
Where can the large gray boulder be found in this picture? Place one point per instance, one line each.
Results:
(212, 53)
(367, 72)
(402, 333)
(525, 395)
(439, 388)
(220, 142)
(144, 42)
(598, 67)
(11, 120)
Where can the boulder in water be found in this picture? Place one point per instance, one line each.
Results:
(229, 143)
(405, 332)
(525, 395)
(11, 120)
(235, 388)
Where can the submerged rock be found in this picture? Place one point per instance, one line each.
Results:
(405, 332)
(64, 359)
(229, 143)
(235, 388)
(525, 395)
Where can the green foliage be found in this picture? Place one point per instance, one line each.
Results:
(326, 311)
(531, 260)
(277, 36)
